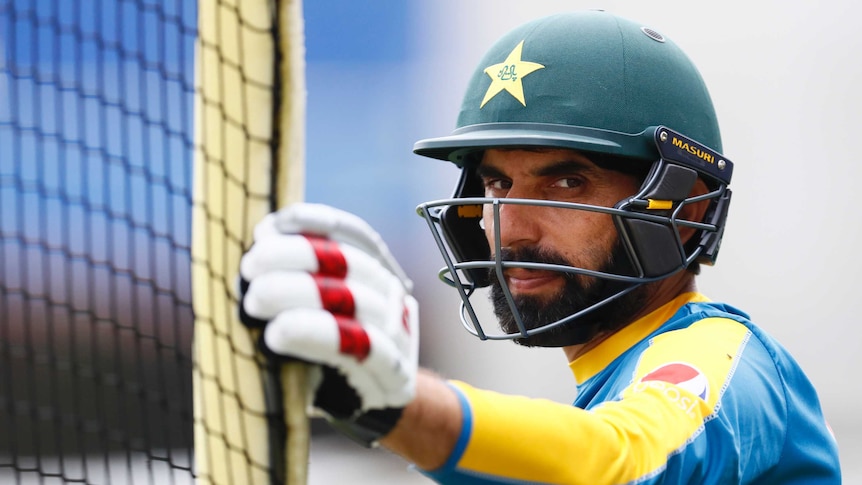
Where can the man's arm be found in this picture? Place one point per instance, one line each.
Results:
(430, 425)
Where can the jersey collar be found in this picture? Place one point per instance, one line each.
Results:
(591, 363)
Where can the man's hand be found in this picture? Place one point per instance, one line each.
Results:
(326, 290)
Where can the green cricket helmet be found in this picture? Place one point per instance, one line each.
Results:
(607, 87)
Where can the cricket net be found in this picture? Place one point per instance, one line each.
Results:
(136, 153)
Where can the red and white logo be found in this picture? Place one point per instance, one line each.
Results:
(681, 375)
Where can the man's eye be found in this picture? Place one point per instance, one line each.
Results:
(497, 184)
(569, 183)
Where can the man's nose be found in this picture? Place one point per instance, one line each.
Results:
(520, 224)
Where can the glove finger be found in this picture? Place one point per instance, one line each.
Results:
(270, 294)
(265, 298)
(293, 252)
(389, 369)
(315, 335)
(370, 361)
(336, 225)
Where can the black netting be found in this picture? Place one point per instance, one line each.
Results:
(96, 145)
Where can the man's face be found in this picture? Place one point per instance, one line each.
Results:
(561, 236)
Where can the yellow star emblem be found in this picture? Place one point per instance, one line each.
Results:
(508, 75)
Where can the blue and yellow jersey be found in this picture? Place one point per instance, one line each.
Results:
(693, 393)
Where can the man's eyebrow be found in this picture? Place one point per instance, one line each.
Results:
(562, 167)
(487, 171)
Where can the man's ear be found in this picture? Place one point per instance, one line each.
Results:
(694, 212)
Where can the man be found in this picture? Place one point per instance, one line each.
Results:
(592, 190)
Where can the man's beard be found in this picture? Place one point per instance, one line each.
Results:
(579, 292)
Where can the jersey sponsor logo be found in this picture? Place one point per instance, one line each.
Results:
(669, 378)
(683, 375)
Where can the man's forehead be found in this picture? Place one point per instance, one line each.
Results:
(500, 160)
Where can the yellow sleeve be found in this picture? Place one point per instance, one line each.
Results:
(537, 440)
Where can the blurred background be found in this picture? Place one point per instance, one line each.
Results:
(784, 78)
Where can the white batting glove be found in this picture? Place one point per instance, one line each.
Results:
(326, 290)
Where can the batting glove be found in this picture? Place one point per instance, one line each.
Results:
(326, 290)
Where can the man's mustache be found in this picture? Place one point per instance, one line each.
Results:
(532, 254)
